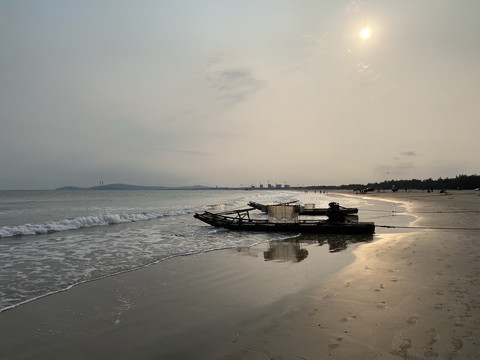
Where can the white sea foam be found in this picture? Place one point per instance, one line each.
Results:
(86, 222)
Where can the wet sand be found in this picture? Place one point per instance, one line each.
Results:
(405, 295)
(414, 295)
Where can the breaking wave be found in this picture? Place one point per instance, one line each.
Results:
(85, 222)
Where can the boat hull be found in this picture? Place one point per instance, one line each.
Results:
(301, 226)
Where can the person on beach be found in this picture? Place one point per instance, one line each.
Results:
(334, 214)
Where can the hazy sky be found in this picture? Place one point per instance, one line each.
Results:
(231, 92)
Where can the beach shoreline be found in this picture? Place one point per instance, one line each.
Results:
(417, 293)
(404, 295)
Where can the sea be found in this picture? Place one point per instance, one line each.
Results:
(53, 240)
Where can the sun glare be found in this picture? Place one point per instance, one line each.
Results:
(365, 33)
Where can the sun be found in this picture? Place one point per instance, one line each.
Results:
(365, 33)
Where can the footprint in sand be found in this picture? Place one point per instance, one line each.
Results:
(382, 305)
(412, 320)
(430, 354)
(404, 346)
(457, 344)
(335, 344)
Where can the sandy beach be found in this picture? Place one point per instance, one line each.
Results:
(405, 295)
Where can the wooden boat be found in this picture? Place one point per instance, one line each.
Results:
(241, 220)
(307, 209)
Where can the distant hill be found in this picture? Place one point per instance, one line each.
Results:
(71, 188)
(125, 187)
(134, 187)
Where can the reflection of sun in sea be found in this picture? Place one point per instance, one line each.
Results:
(365, 33)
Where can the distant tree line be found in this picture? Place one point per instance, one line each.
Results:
(460, 182)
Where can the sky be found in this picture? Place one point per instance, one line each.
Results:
(237, 93)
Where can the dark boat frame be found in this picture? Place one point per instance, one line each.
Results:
(241, 220)
(306, 211)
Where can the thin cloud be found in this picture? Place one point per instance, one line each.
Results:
(232, 83)
(189, 152)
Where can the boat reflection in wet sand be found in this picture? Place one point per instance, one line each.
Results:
(339, 243)
(285, 218)
(293, 250)
(286, 250)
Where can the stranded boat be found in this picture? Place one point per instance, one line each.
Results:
(307, 209)
(284, 218)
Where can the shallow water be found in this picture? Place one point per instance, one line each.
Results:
(52, 240)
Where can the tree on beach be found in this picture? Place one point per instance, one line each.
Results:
(460, 182)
